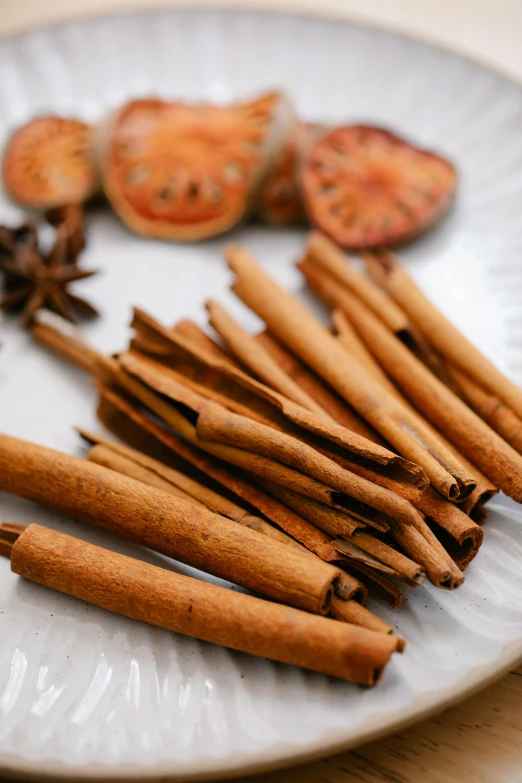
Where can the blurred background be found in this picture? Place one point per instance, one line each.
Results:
(488, 29)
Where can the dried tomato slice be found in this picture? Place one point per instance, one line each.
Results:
(280, 201)
(366, 187)
(180, 171)
(50, 162)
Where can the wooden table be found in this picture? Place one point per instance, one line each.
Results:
(479, 741)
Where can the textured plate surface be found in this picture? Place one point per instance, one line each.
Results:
(84, 693)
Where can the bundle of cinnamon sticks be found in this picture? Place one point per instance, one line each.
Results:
(310, 466)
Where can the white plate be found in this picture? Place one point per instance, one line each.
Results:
(88, 694)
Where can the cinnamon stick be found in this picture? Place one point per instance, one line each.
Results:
(354, 613)
(385, 269)
(292, 324)
(195, 608)
(499, 461)
(165, 523)
(242, 394)
(464, 537)
(446, 515)
(217, 424)
(253, 356)
(285, 518)
(63, 338)
(491, 408)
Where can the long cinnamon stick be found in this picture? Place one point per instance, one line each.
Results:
(298, 329)
(253, 356)
(444, 409)
(447, 339)
(195, 608)
(165, 523)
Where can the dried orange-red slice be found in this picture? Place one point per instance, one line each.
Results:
(50, 162)
(280, 201)
(180, 171)
(366, 187)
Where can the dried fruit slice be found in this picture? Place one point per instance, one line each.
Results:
(50, 162)
(280, 201)
(366, 187)
(180, 171)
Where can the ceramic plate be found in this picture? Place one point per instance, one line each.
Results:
(87, 694)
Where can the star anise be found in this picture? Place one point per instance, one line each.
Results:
(33, 279)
